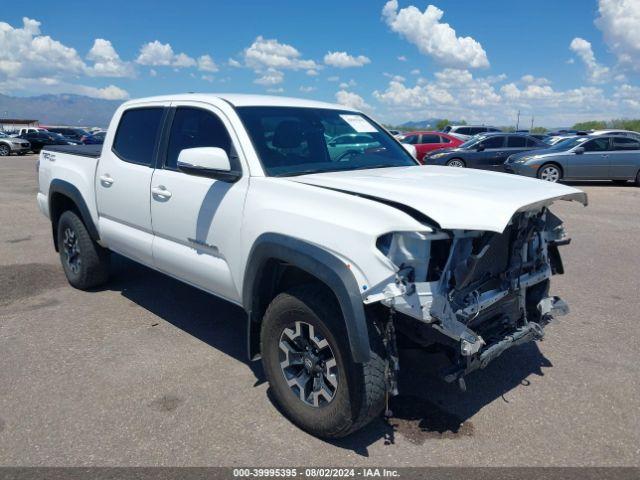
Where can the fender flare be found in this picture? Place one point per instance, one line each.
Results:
(65, 188)
(317, 262)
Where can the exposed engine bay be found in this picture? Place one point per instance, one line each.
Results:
(477, 293)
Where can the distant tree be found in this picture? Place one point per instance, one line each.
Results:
(590, 125)
(538, 130)
(441, 124)
(626, 124)
(508, 129)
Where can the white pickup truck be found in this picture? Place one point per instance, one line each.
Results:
(331, 246)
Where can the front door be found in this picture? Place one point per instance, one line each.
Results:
(197, 220)
(123, 180)
(593, 164)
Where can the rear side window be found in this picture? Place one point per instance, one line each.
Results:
(444, 140)
(493, 142)
(464, 131)
(430, 138)
(137, 135)
(516, 142)
(192, 128)
(620, 143)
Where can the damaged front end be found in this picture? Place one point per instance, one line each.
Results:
(475, 293)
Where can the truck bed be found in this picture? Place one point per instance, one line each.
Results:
(92, 151)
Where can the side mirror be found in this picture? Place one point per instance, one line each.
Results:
(411, 149)
(212, 162)
(578, 150)
(480, 147)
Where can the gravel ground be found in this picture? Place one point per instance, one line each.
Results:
(148, 371)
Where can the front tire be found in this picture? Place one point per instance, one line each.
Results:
(456, 162)
(5, 151)
(550, 172)
(307, 361)
(85, 263)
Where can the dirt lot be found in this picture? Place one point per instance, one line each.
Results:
(152, 372)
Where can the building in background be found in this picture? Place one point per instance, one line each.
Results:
(15, 124)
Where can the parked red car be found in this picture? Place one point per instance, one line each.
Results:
(428, 141)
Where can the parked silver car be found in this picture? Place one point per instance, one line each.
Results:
(9, 145)
(592, 157)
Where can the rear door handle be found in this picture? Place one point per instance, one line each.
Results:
(160, 191)
(106, 180)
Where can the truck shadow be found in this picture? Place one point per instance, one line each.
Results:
(428, 408)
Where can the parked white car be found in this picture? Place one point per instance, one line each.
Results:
(237, 195)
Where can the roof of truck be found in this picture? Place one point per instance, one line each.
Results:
(245, 100)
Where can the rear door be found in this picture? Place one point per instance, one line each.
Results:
(593, 164)
(624, 158)
(123, 180)
(196, 219)
(428, 143)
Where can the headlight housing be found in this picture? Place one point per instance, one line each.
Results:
(438, 155)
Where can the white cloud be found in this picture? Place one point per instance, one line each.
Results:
(159, 54)
(352, 100)
(269, 53)
(531, 80)
(107, 62)
(275, 90)
(25, 53)
(270, 77)
(402, 58)
(415, 71)
(206, 64)
(596, 73)
(208, 78)
(435, 39)
(334, 78)
(108, 93)
(307, 89)
(344, 60)
(345, 85)
(232, 62)
(312, 73)
(153, 73)
(618, 21)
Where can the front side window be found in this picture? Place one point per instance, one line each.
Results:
(297, 140)
(192, 128)
(493, 142)
(597, 145)
(410, 139)
(137, 135)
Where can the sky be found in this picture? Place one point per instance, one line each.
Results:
(560, 61)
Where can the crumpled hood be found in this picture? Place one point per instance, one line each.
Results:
(455, 198)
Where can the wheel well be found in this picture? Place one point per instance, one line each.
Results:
(277, 276)
(58, 204)
(555, 164)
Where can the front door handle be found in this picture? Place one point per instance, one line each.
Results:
(106, 180)
(161, 191)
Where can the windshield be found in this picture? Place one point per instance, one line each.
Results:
(296, 141)
(568, 143)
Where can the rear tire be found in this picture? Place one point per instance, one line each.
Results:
(550, 172)
(347, 395)
(85, 263)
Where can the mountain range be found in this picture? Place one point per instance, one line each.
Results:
(62, 109)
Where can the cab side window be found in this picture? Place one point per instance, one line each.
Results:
(194, 127)
(137, 135)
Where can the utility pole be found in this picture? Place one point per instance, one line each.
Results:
(531, 129)
(518, 121)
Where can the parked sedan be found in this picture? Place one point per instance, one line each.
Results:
(487, 151)
(342, 146)
(41, 139)
(426, 142)
(594, 157)
(9, 145)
